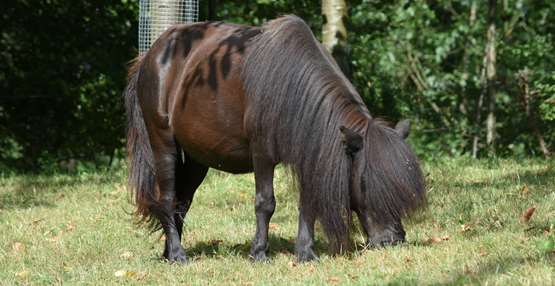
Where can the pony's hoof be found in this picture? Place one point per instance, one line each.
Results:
(307, 256)
(178, 257)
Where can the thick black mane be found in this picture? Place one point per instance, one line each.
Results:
(301, 100)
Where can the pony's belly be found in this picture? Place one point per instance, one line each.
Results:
(229, 155)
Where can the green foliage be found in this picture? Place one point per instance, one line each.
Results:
(63, 68)
(63, 71)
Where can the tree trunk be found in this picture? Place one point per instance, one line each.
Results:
(527, 97)
(488, 85)
(491, 73)
(334, 33)
(334, 30)
(466, 59)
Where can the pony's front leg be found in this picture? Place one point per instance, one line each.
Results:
(305, 235)
(265, 205)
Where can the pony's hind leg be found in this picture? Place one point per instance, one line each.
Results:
(165, 209)
(189, 175)
(265, 205)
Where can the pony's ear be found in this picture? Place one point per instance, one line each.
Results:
(403, 128)
(352, 140)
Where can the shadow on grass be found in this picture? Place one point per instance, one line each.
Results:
(492, 267)
(218, 248)
(544, 177)
(43, 191)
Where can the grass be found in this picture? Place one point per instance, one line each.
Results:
(77, 229)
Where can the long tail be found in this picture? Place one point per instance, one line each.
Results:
(141, 178)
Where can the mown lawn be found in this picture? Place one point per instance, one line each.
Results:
(77, 229)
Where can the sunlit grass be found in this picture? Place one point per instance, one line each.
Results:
(77, 229)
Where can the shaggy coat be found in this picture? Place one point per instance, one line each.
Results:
(243, 99)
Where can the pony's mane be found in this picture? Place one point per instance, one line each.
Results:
(300, 99)
(393, 176)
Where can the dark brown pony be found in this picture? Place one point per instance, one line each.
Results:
(243, 99)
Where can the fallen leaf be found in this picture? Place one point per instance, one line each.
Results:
(119, 273)
(525, 217)
(435, 239)
(432, 239)
(70, 226)
(140, 275)
(273, 226)
(17, 247)
(126, 255)
(163, 237)
(22, 274)
(216, 241)
(37, 220)
(129, 274)
(292, 264)
(333, 280)
(524, 190)
(465, 227)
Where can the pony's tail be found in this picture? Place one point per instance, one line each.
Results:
(141, 177)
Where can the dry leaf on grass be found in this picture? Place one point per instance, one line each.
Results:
(273, 226)
(17, 247)
(70, 226)
(525, 217)
(465, 227)
(435, 239)
(36, 221)
(22, 274)
(120, 273)
(215, 242)
(333, 280)
(524, 190)
(130, 274)
(126, 255)
(292, 264)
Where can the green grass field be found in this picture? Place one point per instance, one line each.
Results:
(77, 229)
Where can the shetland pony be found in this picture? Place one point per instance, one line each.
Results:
(243, 99)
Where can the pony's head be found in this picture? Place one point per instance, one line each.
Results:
(386, 181)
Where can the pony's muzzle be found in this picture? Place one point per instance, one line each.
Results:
(389, 236)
